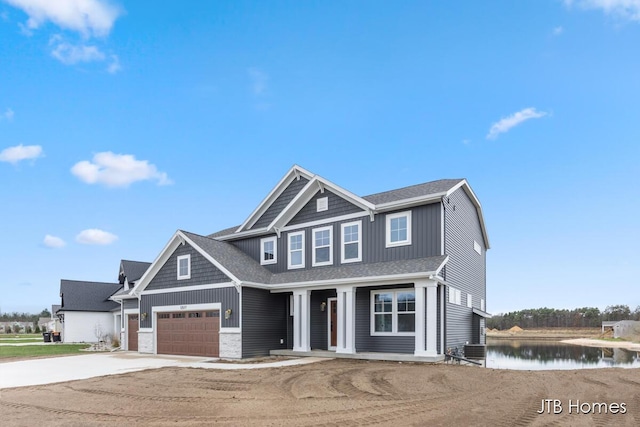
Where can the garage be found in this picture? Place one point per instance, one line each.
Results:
(189, 333)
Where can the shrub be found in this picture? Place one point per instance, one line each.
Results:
(7, 329)
(27, 329)
(37, 329)
(115, 342)
(17, 329)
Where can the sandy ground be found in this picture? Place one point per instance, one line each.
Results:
(606, 344)
(333, 392)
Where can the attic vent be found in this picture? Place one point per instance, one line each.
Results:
(323, 204)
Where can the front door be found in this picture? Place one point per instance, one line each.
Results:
(132, 332)
(332, 320)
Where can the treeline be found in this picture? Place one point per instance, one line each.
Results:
(24, 317)
(553, 318)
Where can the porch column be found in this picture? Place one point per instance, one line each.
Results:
(346, 320)
(301, 304)
(426, 318)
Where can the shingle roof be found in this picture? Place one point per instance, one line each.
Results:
(418, 190)
(54, 308)
(134, 270)
(246, 269)
(224, 232)
(87, 296)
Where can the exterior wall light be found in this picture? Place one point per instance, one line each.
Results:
(323, 306)
(227, 313)
(144, 316)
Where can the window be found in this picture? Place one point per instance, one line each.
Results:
(399, 229)
(469, 301)
(477, 247)
(482, 304)
(184, 267)
(296, 250)
(455, 296)
(268, 250)
(322, 246)
(393, 312)
(351, 249)
(322, 204)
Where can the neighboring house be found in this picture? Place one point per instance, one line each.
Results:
(86, 312)
(54, 324)
(316, 268)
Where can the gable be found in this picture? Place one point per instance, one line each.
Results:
(337, 206)
(202, 271)
(281, 202)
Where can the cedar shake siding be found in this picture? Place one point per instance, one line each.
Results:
(466, 268)
(281, 202)
(202, 271)
(228, 297)
(264, 320)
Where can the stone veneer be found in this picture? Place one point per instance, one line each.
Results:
(230, 345)
(145, 341)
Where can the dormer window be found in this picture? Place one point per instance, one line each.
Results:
(184, 267)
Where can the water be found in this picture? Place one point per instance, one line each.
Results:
(545, 355)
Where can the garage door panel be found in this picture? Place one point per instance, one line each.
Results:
(189, 333)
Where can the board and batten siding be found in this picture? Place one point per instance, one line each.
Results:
(466, 269)
(281, 202)
(202, 271)
(228, 298)
(264, 322)
(425, 240)
(319, 320)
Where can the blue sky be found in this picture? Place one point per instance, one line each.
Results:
(121, 122)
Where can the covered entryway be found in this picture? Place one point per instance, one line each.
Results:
(189, 333)
(132, 332)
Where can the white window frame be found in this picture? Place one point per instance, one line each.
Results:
(455, 296)
(343, 260)
(289, 236)
(184, 276)
(322, 204)
(315, 263)
(469, 301)
(390, 217)
(394, 312)
(274, 240)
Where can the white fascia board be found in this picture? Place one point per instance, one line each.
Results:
(346, 194)
(190, 288)
(247, 233)
(155, 266)
(293, 173)
(355, 281)
(406, 203)
(467, 188)
(212, 260)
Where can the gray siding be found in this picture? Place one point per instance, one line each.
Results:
(466, 268)
(202, 271)
(319, 319)
(337, 207)
(425, 240)
(264, 322)
(281, 202)
(130, 303)
(364, 341)
(228, 297)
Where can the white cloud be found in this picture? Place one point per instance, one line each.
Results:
(259, 81)
(505, 124)
(87, 17)
(117, 170)
(95, 236)
(53, 241)
(20, 152)
(114, 66)
(558, 30)
(7, 115)
(626, 9)
(69, 54)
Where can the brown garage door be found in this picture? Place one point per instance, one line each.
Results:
(190, 333)
(132, 332)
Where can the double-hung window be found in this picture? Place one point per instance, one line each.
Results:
(393, 312)
(399, 229)
(351, 249)
(455, 296)
(322, 246)
(296, 250)
(184, 267)
(268, 250)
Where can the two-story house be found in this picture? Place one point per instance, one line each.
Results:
(316, 268)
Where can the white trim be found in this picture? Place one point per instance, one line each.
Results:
(455, 296)
(442, 227)
(329, 301)
(343, 243)
(184, 276)
(274, 240)
(178, 308)
(324, 221)
(302, 249)
(467, 188)
(322, 204)
(469, 301)
(188, 288)
(407, 203)
(389, 217)
(394, 312)
(477, 247)
(314, 262)
(230, 330)
(482, 304)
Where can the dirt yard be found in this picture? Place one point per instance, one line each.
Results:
(333, 392)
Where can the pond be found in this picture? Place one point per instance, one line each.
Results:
(551, 355)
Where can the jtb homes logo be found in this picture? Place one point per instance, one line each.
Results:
(555, 406)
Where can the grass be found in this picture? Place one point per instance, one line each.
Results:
(20, 338)
(26, 351)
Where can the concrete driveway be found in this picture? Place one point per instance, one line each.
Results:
(69, 368)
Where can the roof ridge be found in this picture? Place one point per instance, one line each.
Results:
(416, 185)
